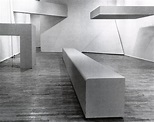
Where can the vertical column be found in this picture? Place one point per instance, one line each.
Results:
(27, 47)
(35, 20)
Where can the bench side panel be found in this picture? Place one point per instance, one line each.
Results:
(77, 80)
(100, 90)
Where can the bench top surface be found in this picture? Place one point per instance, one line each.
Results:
(89, 68)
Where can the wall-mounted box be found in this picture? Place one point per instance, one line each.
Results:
(121, 12)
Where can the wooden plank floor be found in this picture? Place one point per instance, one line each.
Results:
(45, 93)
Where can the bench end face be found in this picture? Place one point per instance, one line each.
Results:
(105, 98)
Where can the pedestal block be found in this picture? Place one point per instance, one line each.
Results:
(27, 33)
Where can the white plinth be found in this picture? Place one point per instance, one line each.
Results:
(100, 90)
(27, 33)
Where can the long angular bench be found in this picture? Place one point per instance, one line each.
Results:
(100, 90)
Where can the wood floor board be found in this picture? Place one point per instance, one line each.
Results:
(45, 93)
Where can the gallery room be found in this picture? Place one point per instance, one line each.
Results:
(76, 60)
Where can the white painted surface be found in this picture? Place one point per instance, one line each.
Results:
(9, 46)
(99, 89)
(139, 2)
(100, 35)
(37, 8)
(137, 35)
(22, 18)
(40, 8)
(27, 45)
(35, 20)
(47, 22)
(121, 12)
(84, 34)
(80, 32)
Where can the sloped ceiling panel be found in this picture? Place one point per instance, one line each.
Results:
(40, 8)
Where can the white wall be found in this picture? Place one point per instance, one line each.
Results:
(35, 9)
(35, 20)
(101, 36)
(138, 35)
(80, 32)
(21, 18)
(10, 45)
(48, 22)
(39, 8)
(7, 42)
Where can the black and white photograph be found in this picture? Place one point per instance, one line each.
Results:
(76, 60)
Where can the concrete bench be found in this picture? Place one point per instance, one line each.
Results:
(100, 90)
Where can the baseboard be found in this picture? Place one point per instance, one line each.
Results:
(139, 58)
(2, 60)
